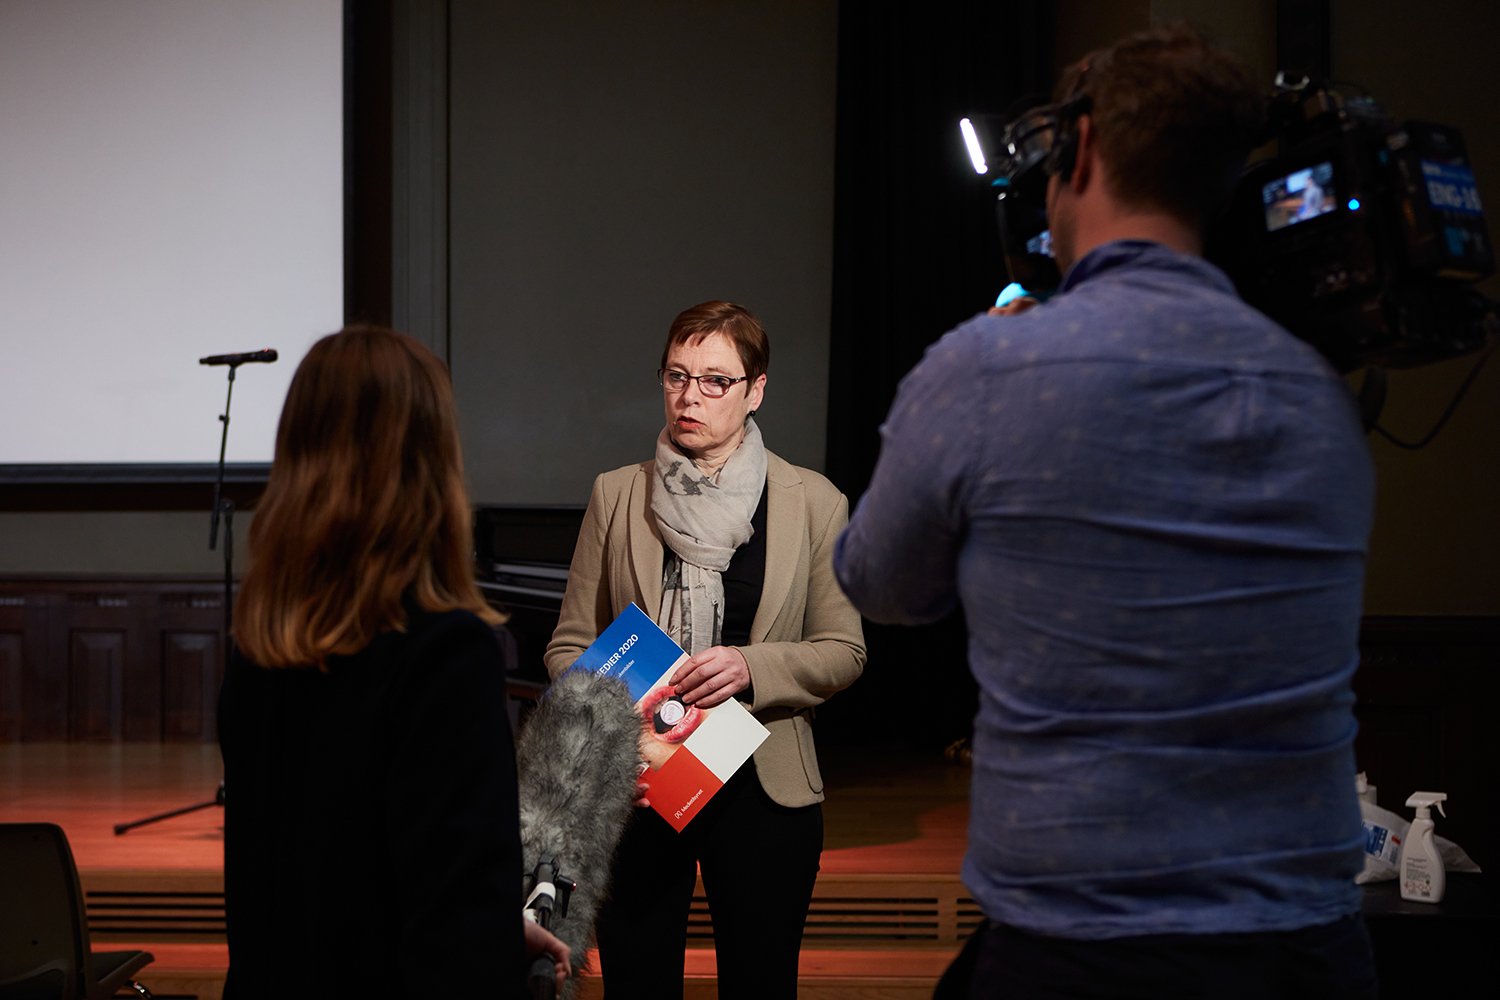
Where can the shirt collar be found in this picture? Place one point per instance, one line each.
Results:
(1143, 253)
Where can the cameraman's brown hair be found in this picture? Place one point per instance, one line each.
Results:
(1174, 118)
(365, 516)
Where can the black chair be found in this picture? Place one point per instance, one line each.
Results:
(44, 939)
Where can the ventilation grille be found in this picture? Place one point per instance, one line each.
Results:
(845, 910)
(164, 916)
(849, 911)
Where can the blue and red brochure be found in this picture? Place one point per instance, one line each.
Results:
(690, 751)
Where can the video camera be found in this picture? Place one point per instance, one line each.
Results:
(1360, 235)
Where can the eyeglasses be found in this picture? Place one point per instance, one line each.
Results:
(712, 386)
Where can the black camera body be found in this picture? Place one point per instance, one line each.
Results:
(1023, 160)
(1360, 235)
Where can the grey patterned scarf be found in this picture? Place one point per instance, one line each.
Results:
(703, 521)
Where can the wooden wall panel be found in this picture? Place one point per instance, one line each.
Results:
(192, 662)
(44, 679)
(189, 685)
(96, 683)
(113, 688)
(12, 662)
(15, 614)
(109, 660)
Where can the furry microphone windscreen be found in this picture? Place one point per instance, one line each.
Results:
(577, 759)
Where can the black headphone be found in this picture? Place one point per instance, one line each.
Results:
(1044, 136)
(1064, 156)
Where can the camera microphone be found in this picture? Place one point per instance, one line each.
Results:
(576, 760)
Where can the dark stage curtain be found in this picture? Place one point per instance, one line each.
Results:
(916, 251)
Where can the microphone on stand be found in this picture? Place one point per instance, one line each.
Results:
(266, 355)
(577, 759)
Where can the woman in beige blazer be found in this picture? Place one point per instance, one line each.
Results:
(729, 548)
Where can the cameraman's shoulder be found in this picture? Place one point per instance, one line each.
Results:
(987, 338)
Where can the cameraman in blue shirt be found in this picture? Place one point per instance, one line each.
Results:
(1153, 504)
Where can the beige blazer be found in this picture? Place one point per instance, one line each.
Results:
(805, 641)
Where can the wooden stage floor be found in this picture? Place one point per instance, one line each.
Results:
(885, 813)
(890, 909)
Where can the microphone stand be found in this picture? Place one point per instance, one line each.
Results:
(217, 800)
(223, 507)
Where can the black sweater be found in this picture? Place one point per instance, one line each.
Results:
(371, 836)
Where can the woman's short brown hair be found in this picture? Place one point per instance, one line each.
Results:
(365, 516)
(735, 322)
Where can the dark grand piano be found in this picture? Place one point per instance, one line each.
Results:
(521, 560)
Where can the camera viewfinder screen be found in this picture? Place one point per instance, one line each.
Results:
(1041, 243)
(1300, 195)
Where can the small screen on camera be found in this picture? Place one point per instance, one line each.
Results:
(1298, 196)
(1040, 243)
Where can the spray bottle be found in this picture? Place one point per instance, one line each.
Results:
(1423, 879)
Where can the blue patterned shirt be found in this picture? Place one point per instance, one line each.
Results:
(1153, 504)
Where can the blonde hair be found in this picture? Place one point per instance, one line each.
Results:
(365, 517)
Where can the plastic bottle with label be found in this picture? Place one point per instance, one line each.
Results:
(1423, 878)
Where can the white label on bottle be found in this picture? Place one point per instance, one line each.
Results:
(1416, 879)
(1382, 843)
